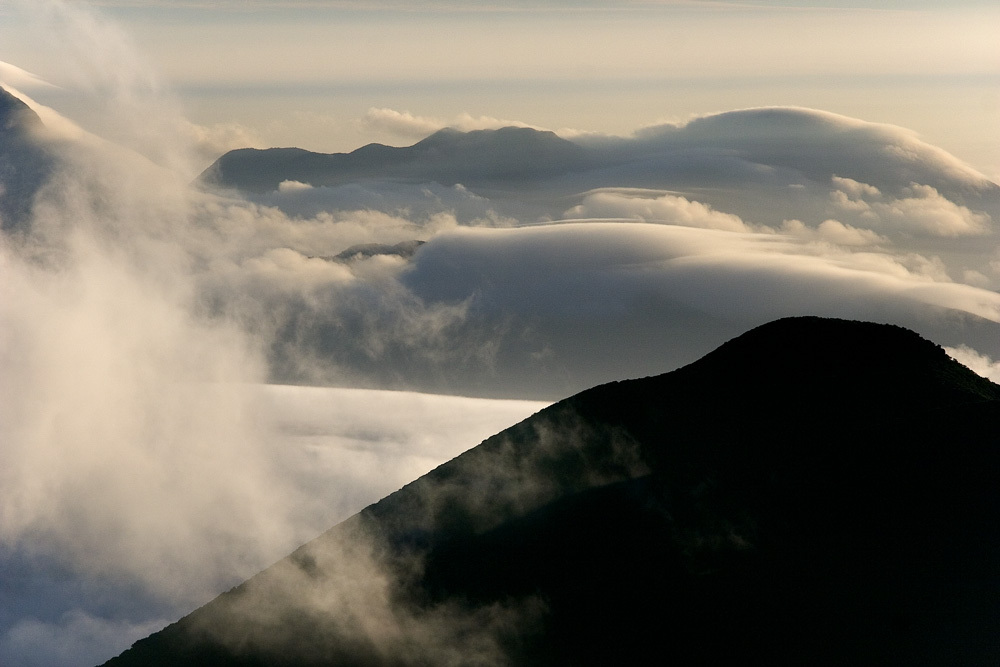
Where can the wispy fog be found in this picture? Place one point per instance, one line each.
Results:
(355, 589)
(143, 467)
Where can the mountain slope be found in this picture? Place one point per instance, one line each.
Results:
(749, 149)
(24, 164)
(480, 157)
(812, 492)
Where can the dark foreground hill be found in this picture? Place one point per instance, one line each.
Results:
(813, 492)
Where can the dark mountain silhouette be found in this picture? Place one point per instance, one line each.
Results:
(481, 157)
(24, 163)
(15, 115)
(750, 150)
(366, 250)
(813, 492)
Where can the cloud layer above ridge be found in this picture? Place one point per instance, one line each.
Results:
(138, 316)
(682, 236)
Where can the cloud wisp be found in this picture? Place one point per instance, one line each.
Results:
(404, 125)
(140, 461)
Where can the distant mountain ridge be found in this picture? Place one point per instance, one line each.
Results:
(753, 146)
(447, 157)
(815, 491)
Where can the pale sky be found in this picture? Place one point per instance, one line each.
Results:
(309, 73)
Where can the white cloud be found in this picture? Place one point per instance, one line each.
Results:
(666, 208)
(406, 209)
(293, 186)
(561, 298)
(466, 122)
(400, 123)
(15, 77)
(980, 363)
(347, 448)
(857, 153)
(121, 410)
(920, 210)
(975, 278)
(136, 448)
(211, 141)
(403, 124)
(855, 190)
(925, 209)
(56, 125)
(835, 232)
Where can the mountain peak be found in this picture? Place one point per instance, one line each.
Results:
(832, 350)
(449, 156)
(814, 491)
(486, 135)
(15, 115)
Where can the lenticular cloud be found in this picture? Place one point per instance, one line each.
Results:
(682, 236)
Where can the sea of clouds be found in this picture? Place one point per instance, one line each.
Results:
(152, 449)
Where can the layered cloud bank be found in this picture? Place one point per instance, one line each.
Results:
(139, 316)
(681, 237)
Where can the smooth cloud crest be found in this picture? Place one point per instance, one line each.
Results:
(856, 252)
(14, 76)
(848, 145)
(540, 287)
(653, 207)
(756, 168)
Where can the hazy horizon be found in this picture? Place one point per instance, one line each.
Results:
(325, 75)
